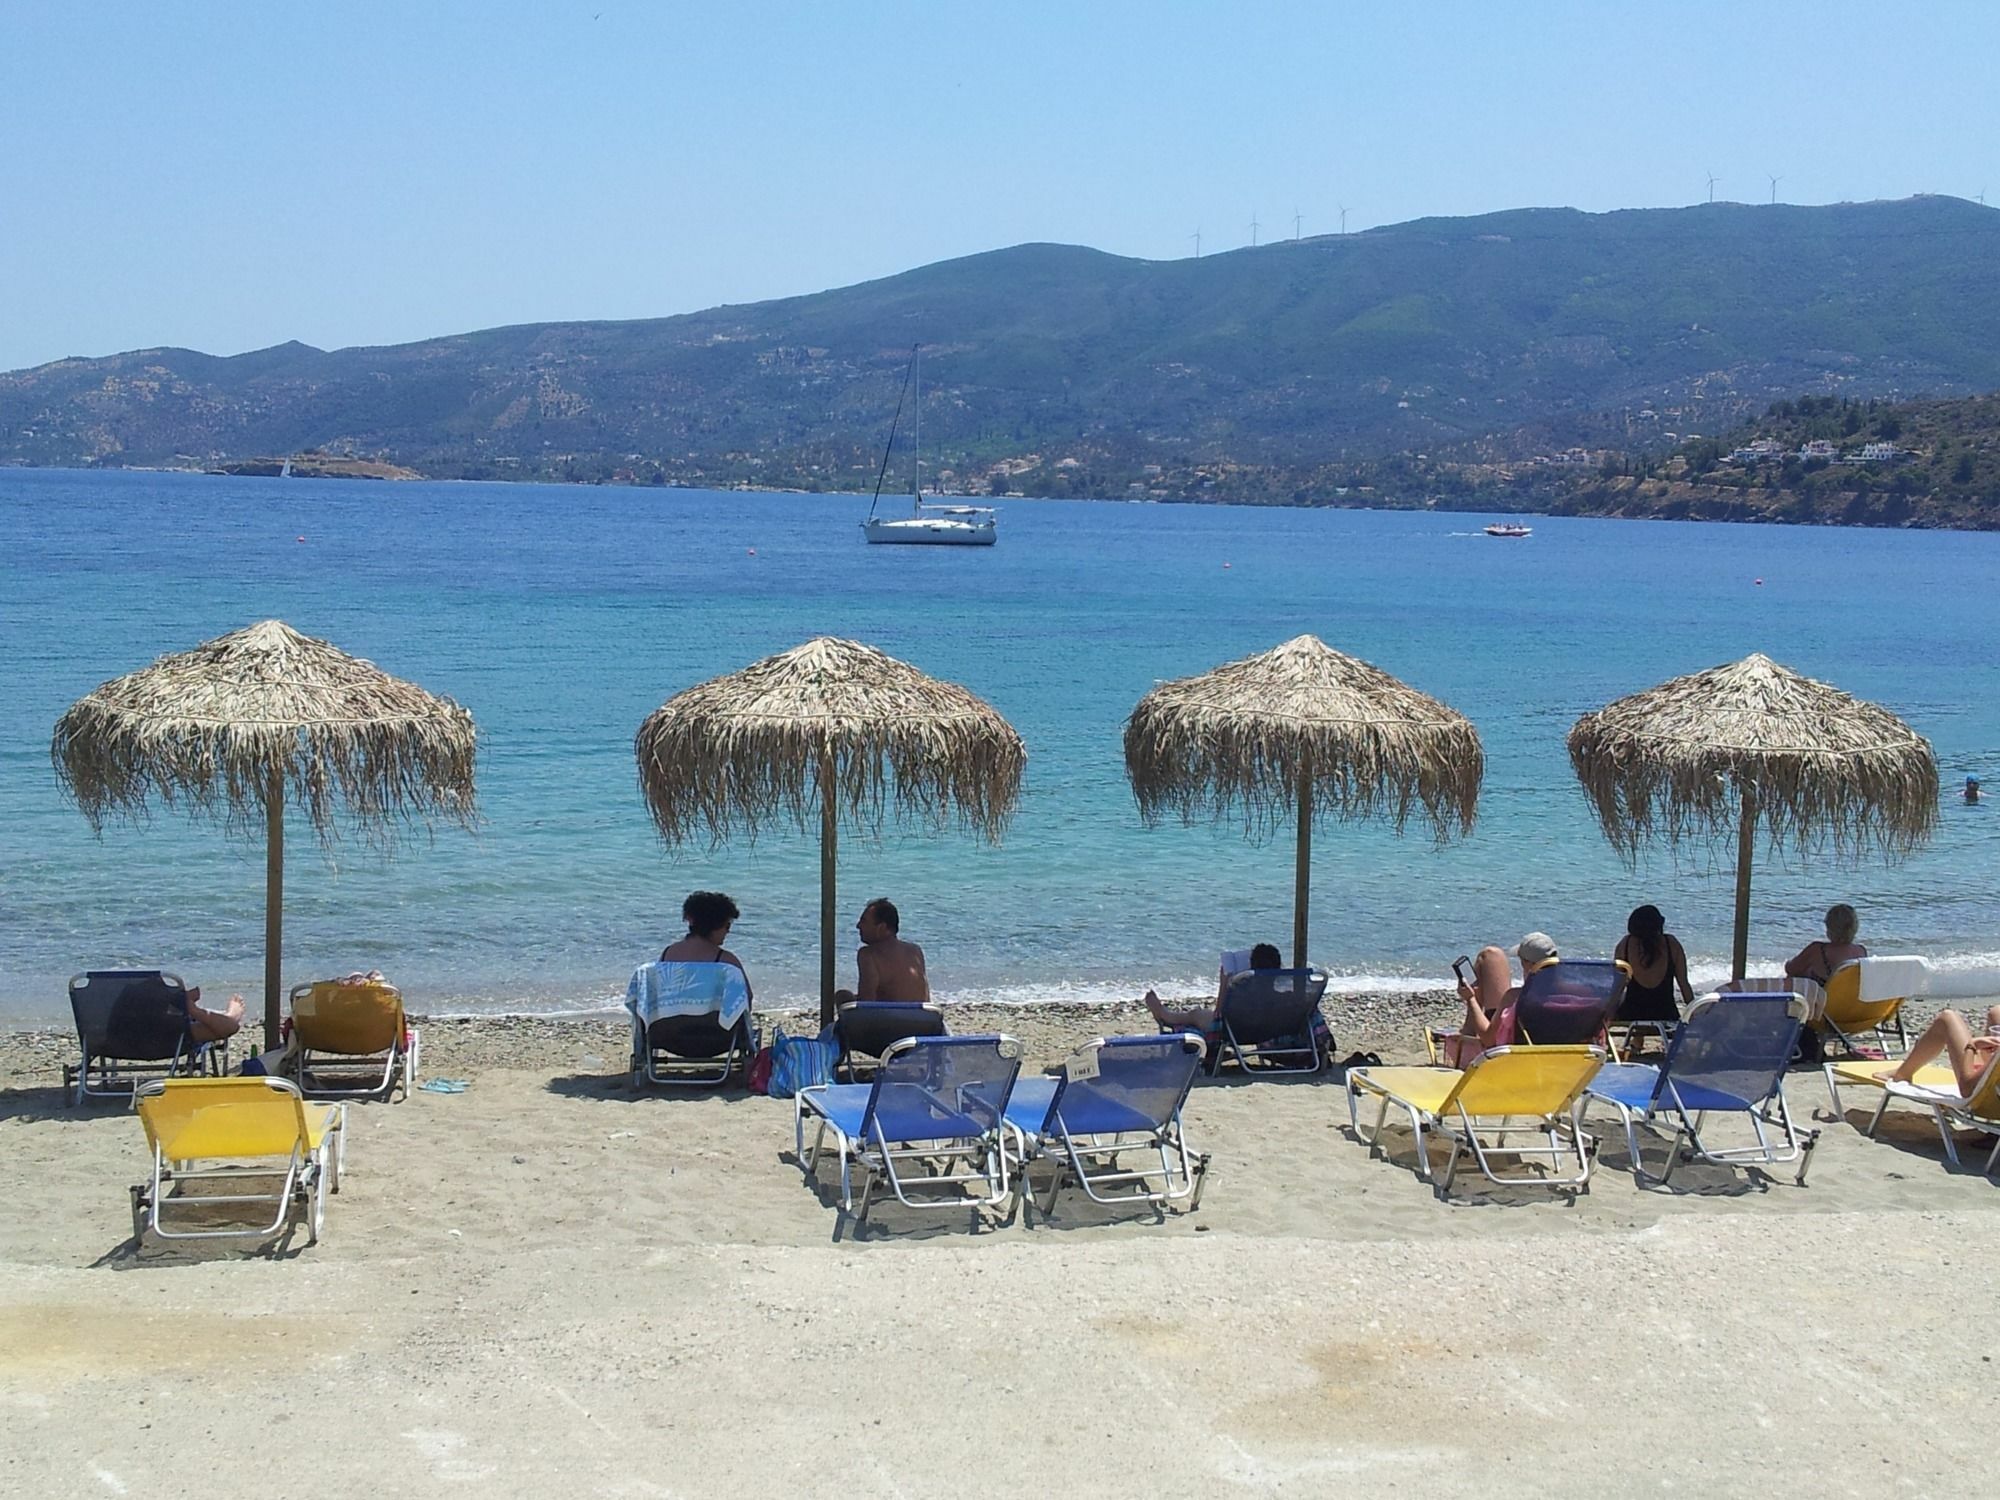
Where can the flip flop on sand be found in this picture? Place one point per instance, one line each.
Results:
(1360, 1060)
(442, 1086)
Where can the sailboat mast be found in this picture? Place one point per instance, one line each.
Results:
(917, 427)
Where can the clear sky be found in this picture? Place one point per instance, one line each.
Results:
(230, 175)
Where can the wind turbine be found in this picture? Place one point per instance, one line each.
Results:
(1343, 217)
(1296, 221)
(1254, 226)
(1774, 186)
(1196, 237)
(1712, 180)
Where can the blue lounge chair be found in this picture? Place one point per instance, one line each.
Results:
(1569, 1003)
(133, 1026)
(691, 1023)
(929, 1125)
(1728, 1057)
(1114, 1096)
(872, 1027)
(1270, 1016)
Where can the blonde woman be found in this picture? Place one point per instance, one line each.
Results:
(1817, 961)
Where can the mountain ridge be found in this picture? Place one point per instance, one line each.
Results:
(1243, 374)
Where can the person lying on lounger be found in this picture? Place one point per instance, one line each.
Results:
(886, 968)
(1950, 1036)
(1201, 1018)
(1490, 994)
(206, 1025)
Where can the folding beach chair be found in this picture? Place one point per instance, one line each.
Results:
(231, 1130)
(133, 1026)
(1864, 999)
(872, 1027)
(352, 1040)
(1271, 1017)
(1569, 1002)
(1113, 1097)
(1728, 1057)
(929, 1125)
(1935, 1089)
(691, 1024)
(1873, 1074)
(1538, 1084)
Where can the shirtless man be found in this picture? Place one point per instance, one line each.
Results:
(890, 969)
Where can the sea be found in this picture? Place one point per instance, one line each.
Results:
(562, 615)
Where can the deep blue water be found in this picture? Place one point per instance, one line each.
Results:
(562, 616)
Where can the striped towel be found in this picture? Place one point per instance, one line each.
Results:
(688, 989)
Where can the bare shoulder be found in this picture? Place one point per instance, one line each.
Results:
(915, 953)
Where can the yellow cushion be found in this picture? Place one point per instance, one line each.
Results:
(192, 1119)
(1425, 1088)
(1536, 1081)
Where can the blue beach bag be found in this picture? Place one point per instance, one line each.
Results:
(800, 1062)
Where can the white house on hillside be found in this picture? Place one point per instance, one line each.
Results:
(1872, 453)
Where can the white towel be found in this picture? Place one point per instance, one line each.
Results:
(1893, 978)
(688, 989)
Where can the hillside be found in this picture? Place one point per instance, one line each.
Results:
(1255, 374)
(1821, 459)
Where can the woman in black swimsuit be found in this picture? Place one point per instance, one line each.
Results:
(1658, 964)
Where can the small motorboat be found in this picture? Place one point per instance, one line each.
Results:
(1504, 529)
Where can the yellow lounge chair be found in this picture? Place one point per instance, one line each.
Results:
(1537, 1084)
(341, 1029)
(1935, 1088)
(1864, 997)
(230, 1124)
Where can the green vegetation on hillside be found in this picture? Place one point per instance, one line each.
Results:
(1823, 458)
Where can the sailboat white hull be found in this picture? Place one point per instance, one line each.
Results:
(930, 531)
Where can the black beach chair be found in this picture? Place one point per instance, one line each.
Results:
(133, 1026)
(872, 1027)
(1271, 1017)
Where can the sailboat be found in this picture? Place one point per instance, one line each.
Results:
(926, 525)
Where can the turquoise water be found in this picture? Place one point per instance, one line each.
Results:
(562, 616)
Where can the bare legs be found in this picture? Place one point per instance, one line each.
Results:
(1950, 1036)
(1196, 1018)
(206, 1025)
(1486, 996)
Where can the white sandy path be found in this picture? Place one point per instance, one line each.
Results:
(666, 1312)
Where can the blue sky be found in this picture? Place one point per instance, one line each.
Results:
(226, 176)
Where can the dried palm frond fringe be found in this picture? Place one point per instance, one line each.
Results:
(736, 752)
(1238, 740)
(1823, 769)
(208, 731)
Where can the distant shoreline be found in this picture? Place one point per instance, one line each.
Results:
(1606, 505)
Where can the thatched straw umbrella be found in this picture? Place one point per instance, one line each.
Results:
(226, 729)
(830, 727)
(1717, 752)
(1302, 729)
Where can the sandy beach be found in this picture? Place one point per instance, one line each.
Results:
(552, 1281)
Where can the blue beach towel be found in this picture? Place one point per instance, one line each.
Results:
(688, 989)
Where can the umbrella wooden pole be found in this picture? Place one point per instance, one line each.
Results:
(1302, 875)
(1746, 843)
(274, 904)
(829, 835)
